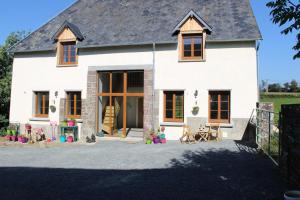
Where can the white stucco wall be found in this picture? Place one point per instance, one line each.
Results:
(228, 66)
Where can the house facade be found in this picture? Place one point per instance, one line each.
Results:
(122, 65)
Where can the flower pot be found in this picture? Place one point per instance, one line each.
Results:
(163, 141)
(162, 136)
(62, 139)
(64, 124)
(53, 138)
(7, 137)
(149, 142)
(24, 140)
(27, 126)
(20, 139)
(13, 138)
(71, 123)
(156, 140)
(292, 195)
(70, 139)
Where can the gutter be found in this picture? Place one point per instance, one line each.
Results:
(153, 84)
(257, 69)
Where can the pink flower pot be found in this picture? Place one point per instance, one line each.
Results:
(24, 140)
(13, 138)
(7, 138)
(71, 123)
(70, 139)
(163, 141)
(19, 139)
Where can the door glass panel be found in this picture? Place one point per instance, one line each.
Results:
(117, 115)
(117, 82)
(104, 115)
(104, 82)
(135, 82)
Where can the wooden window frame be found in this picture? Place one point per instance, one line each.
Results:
(61, 54)
(75, 116)
(192, 57)
(219, 120)
(43, 115)
(174, 119)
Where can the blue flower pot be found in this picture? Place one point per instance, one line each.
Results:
(62, 139)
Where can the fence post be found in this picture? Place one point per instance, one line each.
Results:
(269, 144)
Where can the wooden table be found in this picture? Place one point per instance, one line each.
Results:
(218, 130)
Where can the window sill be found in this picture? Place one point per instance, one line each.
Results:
(196, 60)
(39, 119)
(70, 65)
(172, 124)
(222, 125)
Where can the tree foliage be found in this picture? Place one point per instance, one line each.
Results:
(287, 12)
(5, 74)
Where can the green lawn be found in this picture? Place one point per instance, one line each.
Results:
(280, 98)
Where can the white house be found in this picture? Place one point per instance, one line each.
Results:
(127, 64)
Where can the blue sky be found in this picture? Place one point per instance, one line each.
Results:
(275, 56)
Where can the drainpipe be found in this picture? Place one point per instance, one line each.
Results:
(257, 69)
(153, 84)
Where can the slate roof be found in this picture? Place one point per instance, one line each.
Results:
(133, 22)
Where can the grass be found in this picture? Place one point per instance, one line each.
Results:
(280, 98)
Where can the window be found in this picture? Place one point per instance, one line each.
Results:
(174, 106)
(41, 104)
(73, 105)
(219, 106)
(68, 55)
(192, 47)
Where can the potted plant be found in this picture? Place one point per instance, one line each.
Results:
(64, 123)
(13, 136)
(70, 139)
(28, 126)
(24, 139)
(71, 122)
(62, 138)
(20, 138)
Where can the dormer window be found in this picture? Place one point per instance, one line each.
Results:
(192, 47)
(192, 31)
(68, 54)
(67, 38)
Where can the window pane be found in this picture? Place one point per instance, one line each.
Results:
(224, 97)
(214, 97)
(135, 82)
(224, 106)
(197, 53)
(224, 114)
(214, 105)
(169, 113)
(42, 104)
(187, 53)
(104, 82)
(47, 104)
(169, 105)
(117, 82)
(214, 114)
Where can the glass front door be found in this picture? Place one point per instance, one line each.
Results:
(120, 101)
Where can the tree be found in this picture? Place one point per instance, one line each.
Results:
(275, 87)
(5, 74)
(287, 12)
(286, 87)
(294, 86)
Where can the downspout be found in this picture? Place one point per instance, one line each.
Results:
(153, 84)
(257, 69)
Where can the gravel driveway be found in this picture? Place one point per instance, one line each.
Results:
(120, 170)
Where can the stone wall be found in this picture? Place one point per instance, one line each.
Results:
(148, 99)
(89, 106)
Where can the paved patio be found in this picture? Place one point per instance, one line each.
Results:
(124, 170)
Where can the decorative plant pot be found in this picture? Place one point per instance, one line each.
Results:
(149, 142)
(70, 139)
(13, 138)
(71, 123)
(53, 138)
(64, 124)
(156, 140)
(7, 137)
(163, 141)
(27, 126)
(20, 139)
(162, 136)
(292, 195)
(24, 140)
(62, 139)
